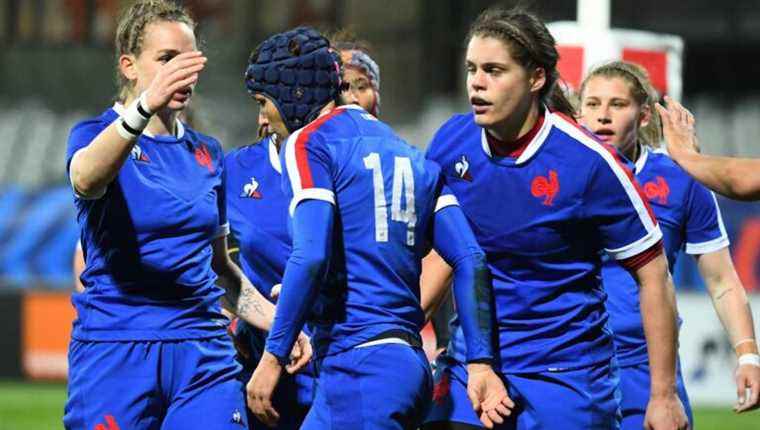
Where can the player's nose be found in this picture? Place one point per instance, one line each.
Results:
(477, 80)
(604, 116)
(351, 97)
(263, 120)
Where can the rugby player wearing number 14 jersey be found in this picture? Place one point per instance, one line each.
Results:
(366, 207)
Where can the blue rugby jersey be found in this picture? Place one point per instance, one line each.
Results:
(690, 220)
(257, 210)
(542, 219)
(385, 193)
(147, 240)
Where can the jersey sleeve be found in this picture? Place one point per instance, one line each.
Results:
(433, 151)
(307, 173)
(304, 272)
(81, 135)
(454, 241)
(445, 199)
(705, 231)
(221, 198)
(616, 206)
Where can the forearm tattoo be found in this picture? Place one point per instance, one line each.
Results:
(248, 301)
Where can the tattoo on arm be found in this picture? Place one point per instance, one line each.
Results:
(248, 301)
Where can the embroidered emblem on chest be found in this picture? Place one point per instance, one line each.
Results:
(462, 167)
(658, 190)
(203, 157)
(251, 190)
(546, 187)
(137, 154)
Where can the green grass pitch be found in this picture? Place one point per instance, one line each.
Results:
(39, 406)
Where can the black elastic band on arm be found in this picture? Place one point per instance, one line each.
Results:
(142, 111)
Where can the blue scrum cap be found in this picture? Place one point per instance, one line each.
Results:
(298, 72)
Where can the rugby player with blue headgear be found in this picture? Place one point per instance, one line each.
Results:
(364, 208)
(257, 210)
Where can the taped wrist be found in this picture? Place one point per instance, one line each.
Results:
(134, 119)
(751, 359)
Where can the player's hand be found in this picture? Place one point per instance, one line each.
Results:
(747, 388)
(275, 292)
(665, 413)
(174, 81)
(488, 395)
(261, 387)
(678, 129)
(300, 355)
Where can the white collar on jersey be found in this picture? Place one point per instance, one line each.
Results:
(274, 157)
(119, 109)
(534, 144)
(341, 107)
(351, 106)
(643, 155)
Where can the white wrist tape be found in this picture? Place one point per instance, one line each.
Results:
(751, 359)
(743, 341)
(134, 119)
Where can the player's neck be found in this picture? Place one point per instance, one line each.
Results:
(630, 150)
(518, 124)
(327, 108)
(163, 123)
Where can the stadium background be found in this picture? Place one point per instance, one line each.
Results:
(56, 66)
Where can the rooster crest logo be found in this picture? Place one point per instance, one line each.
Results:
(250, 190)
(203, 157)
(138, 154)
(657, 190)
(545, 187)
(462, 167)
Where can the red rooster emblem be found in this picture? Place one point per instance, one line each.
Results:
(203, 157)
(657, 190)
(545, 187)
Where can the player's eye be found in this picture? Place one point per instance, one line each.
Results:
(165, 58)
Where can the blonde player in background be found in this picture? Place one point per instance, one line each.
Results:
(617, 104)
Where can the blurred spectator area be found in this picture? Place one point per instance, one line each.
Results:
(57, 67)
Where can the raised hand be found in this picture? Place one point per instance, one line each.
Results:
(174, 81)
(678, 128)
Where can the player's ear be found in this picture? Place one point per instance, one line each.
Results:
(645, 116)
(128, 66)
(537, 79)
